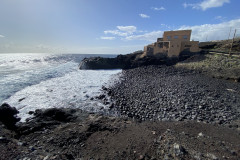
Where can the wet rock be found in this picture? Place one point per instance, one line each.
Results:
(31, 112)
(8, 116)
(47, 119)
(21, 99)
(62, 115)
(102, 96)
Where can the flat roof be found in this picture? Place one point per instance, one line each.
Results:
(179, 31)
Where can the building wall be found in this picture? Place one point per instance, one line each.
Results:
(172, 44)
(161, 48)
(181, 35)
(191, 46)
(175, 48)
(148, 50)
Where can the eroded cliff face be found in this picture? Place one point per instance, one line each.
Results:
(128, 61)
(100, 63)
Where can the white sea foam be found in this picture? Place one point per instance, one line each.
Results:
(72, 90)
(21, 62)
(34, 81)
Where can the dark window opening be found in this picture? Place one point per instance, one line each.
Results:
(168, 37)
(149, 49)
(166, 44)
(160, 45)
(185, 37)
(188, 46)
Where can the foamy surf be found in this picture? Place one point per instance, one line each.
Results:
(72, 90)
(48, 81)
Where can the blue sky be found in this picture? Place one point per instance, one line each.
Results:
(109, 26)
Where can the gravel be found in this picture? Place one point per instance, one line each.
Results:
(166, 93)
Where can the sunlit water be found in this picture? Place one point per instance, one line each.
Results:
(34, 81)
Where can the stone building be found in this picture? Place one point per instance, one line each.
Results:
(172, 44)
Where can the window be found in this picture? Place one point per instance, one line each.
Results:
(185, 37)
(168, 37)
(187, 46)
(166, 44)
(175, 37)
(149, 49)
(160, 45)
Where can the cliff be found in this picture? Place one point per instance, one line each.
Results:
(127, 61)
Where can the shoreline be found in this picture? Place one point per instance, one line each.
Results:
(166, 113)
(167, 93)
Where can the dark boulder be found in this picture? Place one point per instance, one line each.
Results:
(47, 119)
(57, 114)
(8, 116)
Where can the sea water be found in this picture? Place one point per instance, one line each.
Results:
(35, 81)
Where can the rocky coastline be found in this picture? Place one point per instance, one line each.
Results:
(166, 112)
(128, 61)
(166, 93)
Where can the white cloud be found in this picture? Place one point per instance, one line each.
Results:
(194, 6)
(144, 15)
(151, 36)
(220, 18)
(212, 3)
(122, 31)
(199, 32)
(1, 36)
(213, 31)
(202, 32)
(115, 32)
(128, 29)
(108, 38)
(206, 4)
(159, 9)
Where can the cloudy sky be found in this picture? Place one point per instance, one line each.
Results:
(109, 26)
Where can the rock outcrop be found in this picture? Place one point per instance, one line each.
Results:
(8, 116)
(128, 61)
(49, 118)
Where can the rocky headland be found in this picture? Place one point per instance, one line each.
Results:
(128, 61)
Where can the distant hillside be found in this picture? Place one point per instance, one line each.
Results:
(222, 46)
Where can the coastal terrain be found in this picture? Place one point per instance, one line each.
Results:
(188, 109)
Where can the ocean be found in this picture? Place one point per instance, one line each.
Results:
(35, 81)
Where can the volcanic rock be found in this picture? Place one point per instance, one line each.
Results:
(8, 116)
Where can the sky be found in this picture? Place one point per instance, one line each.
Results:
(109, 26)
